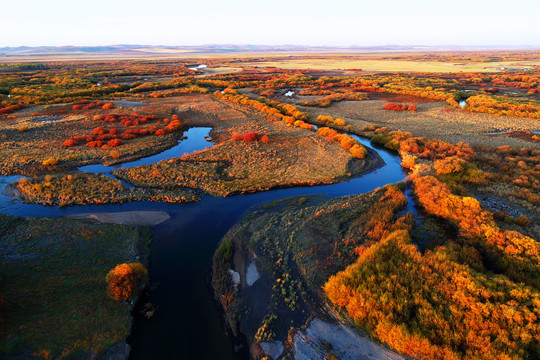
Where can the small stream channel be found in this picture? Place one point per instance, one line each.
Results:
(187, 323)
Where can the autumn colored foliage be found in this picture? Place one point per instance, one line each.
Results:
(330, 121)
(112, 137)
(126, 280)
(251, 136)
(346, 141)
(286, 112)
(10, 108)
(499, 105)
(518, 168)
(332, 97)
(512, 252)
(399, 107)
(114, 142)
(434, 305)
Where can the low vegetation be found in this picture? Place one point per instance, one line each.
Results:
(88, 188)
(54, 290)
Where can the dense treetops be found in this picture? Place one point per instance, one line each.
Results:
(126, 281)
(434, 305)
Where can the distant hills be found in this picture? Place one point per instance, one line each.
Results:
(151, 50)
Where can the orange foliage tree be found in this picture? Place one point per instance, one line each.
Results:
(126, 280)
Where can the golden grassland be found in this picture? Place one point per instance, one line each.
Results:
(391, 65)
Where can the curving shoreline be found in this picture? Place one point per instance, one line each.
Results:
(134, 218)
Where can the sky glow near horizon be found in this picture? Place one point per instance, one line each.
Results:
(278, 22)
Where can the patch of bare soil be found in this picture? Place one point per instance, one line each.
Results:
(135, 218)
(338, 341)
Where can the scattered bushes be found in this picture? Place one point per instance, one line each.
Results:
(332, 97)
(112, 137)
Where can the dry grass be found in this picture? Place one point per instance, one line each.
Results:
(434, 120)
(391, 65)
(292, 156)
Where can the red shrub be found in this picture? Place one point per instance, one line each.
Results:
(237, 137)
(160, 132)
(108, 106)
(100, 131)
(114, 142)
(94, 144)
(265, 139)
(71, 142)
(395, 107)
(251, 136)
(128, 136)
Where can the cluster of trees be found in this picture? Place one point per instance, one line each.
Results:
(88, 105)
(517, 255)
(423, 148)
(436, 305)
(399, 107)
(499, 105)
(190, 89)
(102, 136)
(133, 119)
(430, 306)
(356, 149)
(503, 165)
(249, 137)
(8, 109)
(334, 97)
(327, 120)
(125, 281)
(285, 112)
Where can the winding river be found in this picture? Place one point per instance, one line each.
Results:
(187, 323)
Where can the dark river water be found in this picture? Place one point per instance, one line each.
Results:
(187, 323)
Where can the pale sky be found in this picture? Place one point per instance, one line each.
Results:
(277, 22)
